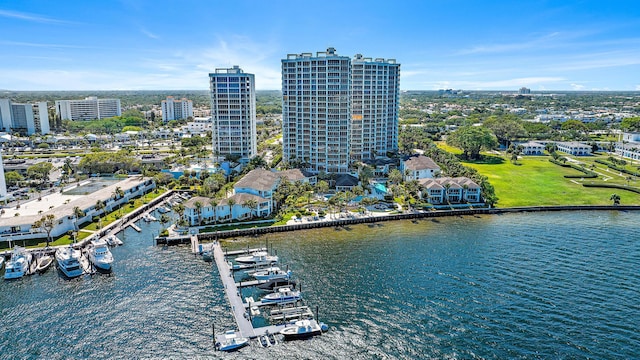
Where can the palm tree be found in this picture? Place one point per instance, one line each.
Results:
(395, 176)
(198, 206)
(322, 187)
(77, 214)
(100, 205)
(252, 205)
(179, 209)
(46, 223)
(616, 199)
(117, 194)
(214, 205)
(231, 202)
(164, 218)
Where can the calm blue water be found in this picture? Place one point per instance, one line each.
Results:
(547, 285)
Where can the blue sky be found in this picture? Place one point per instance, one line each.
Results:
(473, 45)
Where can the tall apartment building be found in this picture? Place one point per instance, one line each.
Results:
(26, 119)
(316, 111)
(176, 109)
(91, 108)
(335, 109)
(233, 112)
(375, 101)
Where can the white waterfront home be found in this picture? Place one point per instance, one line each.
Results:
(450, 190)
(252, 198)
(418, 167)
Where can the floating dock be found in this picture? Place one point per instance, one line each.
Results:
(243, 252)
(245, 327)
(294, 313)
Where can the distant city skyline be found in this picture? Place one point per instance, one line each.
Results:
(471, 45)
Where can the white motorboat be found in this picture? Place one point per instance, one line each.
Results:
(258, 258)
(149, 218)
(232, 341)
(163, 210)
(270, 273)
(44, 262)
(68, 260)
(283, 296)
(99, 255)
(301, 329)
(19, 263)
(1, 261)
(113, 240)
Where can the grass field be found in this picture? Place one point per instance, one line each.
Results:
(536, 181)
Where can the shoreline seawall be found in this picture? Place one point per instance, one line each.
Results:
(374, 219)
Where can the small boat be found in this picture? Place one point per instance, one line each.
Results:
(68, 260)
(163, 210)
(272, 285)
(283, 296)
(258, 258)
(99, 255)
(149, 218)
(207, 255)
(270, 273)
(1, 261)
(301, 329)
(113, 240)
(267, 340)
(272, 339)
(232, 341)
(44, 262)
(19, 263)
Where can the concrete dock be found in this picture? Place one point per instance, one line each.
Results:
(245, 327)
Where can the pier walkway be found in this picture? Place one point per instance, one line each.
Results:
(245, 327)
(233, 293)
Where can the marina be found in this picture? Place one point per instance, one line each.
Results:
(521, 270)
(243, 311)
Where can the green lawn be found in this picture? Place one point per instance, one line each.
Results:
(536, 181)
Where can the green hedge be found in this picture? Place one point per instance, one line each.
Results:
(616, 167)
(613, 186)
(587, 173)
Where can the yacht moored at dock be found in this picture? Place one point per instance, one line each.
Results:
(270, 273)
(68, 260)
(149, 218)
(113, 240)
(99, 255)
(44, 262)
(258, 258)
(232, 341)
(283, 296)
(19, 263)
(301, 329)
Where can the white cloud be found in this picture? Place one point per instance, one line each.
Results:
(183, 69)
(149, 34)
(577, 87)
(637, 87)
(505, 84)
(541, 41)
(31, 17)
